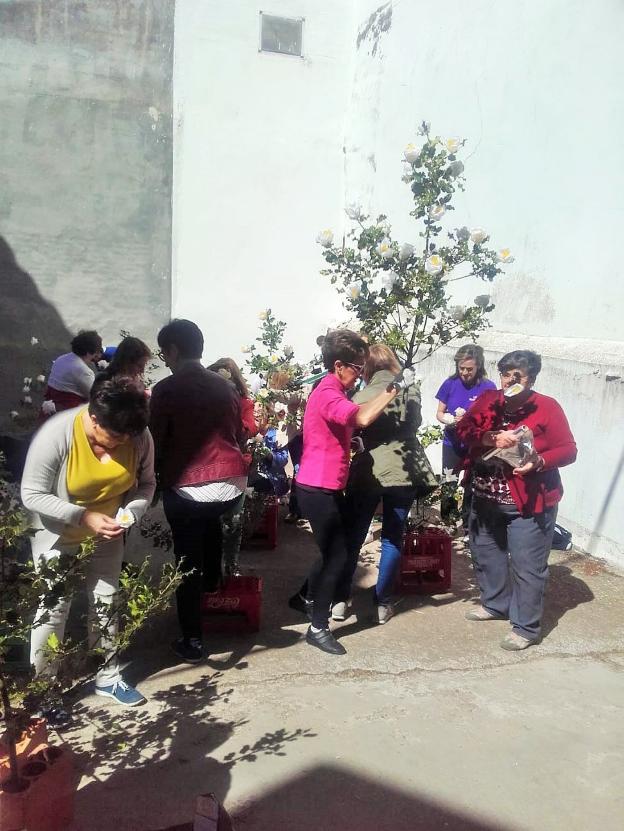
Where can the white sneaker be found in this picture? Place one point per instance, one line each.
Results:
(341, 611)
(384, 613)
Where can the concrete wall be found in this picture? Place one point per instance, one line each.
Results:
(258, 167)
(532, 86)
(85, 166)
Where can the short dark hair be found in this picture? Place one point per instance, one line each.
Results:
(86, 342)
(119, 405)
(468, 352)
(185, 335)
(343, 345)
(129, 352)
(523, 359)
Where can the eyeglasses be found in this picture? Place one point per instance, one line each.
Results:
(359, 368)
(161, 354)
(513, 375)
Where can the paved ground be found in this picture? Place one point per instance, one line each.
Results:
(425, 724)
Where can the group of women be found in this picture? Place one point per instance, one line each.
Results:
(359, 449)
(509, 509)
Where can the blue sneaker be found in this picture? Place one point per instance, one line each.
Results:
(122, 693)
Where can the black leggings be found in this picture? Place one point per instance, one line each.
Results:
(325, 511)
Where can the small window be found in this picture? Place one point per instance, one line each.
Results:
(281, 34)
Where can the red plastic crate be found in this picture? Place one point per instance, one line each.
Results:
(265, 535)
(425, 566)
(235, 607)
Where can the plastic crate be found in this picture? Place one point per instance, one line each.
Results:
(265, 534)
(235, 607)
(425, 565)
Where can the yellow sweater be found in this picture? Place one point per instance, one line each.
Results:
(93, 484)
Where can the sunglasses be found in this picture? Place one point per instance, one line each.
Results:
(359, 368)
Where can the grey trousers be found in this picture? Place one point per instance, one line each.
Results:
(510, 555)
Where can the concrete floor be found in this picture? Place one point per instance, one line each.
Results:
(425, 724)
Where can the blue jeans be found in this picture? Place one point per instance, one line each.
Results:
(360, 509)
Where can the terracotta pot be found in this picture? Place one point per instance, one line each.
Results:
(50, 803)
(12, 804)
(34, 737)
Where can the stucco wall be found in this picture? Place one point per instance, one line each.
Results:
(85, 168)
(532, 88)
(258, 167)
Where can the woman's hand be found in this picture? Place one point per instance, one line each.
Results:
(533, 466)
(505, 438)
(101, 525)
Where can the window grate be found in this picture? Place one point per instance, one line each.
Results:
(281, 34)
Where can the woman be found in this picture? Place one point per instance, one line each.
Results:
(392, 468)
(455, 396)
(82, 467)
(72, 375)
(129, 360)
(232, 520)
(514, 508)
(328, 426)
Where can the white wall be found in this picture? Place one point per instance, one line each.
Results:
(258, 168)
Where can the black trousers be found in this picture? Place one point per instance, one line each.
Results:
(325, 511)
(197, 544)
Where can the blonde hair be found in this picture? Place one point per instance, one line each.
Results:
(278, 379)
(380, 357)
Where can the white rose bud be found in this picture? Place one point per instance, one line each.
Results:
(27, 382)
(482, 301)
(354, 290)
(27, 399)
(41, 379)
(263, 315)
(289, 351)
(34, 341)
(437, 212)
(452, 145)
(411, 153)
(434, 264)
(405, 251)
(48, 408)
(102, 365)
(325, 238)
(125, 518)
(26, 389)
(384, 249)
(505, 256)
(245, 349)
(13, 414)
(478, 235)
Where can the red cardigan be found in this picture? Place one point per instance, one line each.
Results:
(553, 439)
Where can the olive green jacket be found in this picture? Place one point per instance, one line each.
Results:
(392, 454)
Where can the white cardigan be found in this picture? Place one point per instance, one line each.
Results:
(44, 481)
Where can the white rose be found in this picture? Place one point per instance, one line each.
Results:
(48, 408)
(125, 518)
(411, 153)
(27, 399)
(449, 475)
(478, 235)
(273, 359)
(263, 393)
(482, 300)
(505, 256)
(14, 414)
(452, 145)
(434, 264)
(289, 351)
(325, 238)
(34, 341)
(388, 280)
(354, 290)
(459, 412)
(26, 389)
(405, 251)
(41, 379)
(457, 312)
(102, 364)
(365, 254)
(245, 349)
(437, 212)
(354, 212)
(27, 382)
(384, 249)
(263, 315)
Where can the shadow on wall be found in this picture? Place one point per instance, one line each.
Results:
(24, 314)
(594, 541)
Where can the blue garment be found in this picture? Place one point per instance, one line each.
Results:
(360, 509)
(455, 394)
(273, 471)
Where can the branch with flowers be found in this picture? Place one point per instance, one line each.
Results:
(399, 292)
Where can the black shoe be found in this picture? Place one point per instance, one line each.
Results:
(56, 715)
(300, 604)
(189, 649)
(326, 641)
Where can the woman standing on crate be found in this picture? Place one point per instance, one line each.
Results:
(393, 469)
(328, 426)
(455, 396)
(514, 508)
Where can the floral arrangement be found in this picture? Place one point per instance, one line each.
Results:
(399, 290)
